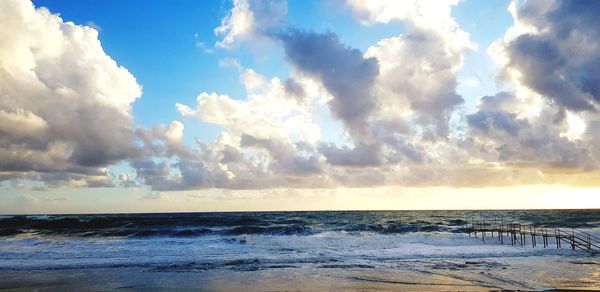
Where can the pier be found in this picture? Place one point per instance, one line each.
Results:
(525, 234)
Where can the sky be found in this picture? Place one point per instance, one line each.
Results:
(157, 106)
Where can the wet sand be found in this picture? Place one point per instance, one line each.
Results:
(266, 280)
(522, 273)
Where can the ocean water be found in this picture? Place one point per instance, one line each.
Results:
(417, 247)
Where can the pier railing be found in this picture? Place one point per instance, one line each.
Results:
(520, 234)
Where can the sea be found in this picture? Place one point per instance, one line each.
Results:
(321, 250)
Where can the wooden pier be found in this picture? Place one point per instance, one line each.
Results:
(524, 234)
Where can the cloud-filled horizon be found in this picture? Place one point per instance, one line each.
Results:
(414, 108)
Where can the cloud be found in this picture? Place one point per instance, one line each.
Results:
(155, 196)
(376, 105)
(538, 128)
(151, 172)
(548, 56)
(526, 141)
(268, 140)
(418, 80)
(492, 122)
(346, 74)
(295, 89)
(397, 103)
(418, 70)
(269, 112)
(21, 123)
(395, 100)
(127, 181)
(360, 156)
(553, 46)
(434, 17)
(65, 106)
(250, 19)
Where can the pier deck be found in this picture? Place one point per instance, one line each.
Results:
(520, 234)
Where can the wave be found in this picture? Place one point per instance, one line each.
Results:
(276, 223)
(329, 250)
(294, 230)
(271, 230)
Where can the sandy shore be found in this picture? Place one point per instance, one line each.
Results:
(265, 280)
(523, 273)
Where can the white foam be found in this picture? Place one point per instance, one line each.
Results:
(36, 252)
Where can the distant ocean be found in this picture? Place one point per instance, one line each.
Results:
(273, 250)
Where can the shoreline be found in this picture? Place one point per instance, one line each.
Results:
(548, 273)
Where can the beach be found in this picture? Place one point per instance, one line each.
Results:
(524, 273)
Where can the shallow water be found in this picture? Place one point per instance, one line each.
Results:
(381, 249)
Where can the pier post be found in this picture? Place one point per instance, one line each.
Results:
(513, 235)
(521, 234)
(467, 227)
(483, 231)
(545, 237)
(501, 233)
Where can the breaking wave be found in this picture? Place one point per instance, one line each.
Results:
(276, 223)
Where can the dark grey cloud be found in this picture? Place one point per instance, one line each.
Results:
(346, 74)
(491, 121)
(562, 60)
(544, 69)
(151, 172)
(535, 141)
(497, 102)
(361, 155)
(99, 135)
(194, 174)
(294, 89)
(231, 154)
(401, 151)
(162, 176)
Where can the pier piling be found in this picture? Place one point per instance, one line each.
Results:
(518, 233)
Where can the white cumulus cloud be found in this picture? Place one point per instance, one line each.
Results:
(65, 105)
